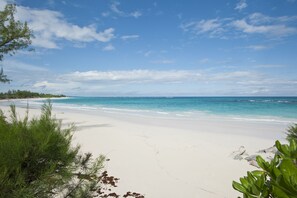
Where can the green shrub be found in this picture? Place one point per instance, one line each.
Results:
(38, 160)
(277, 178)
(292, 132)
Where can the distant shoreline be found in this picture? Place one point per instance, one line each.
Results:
(37, 98)
(25, 94)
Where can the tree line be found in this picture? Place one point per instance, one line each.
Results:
(19, 94)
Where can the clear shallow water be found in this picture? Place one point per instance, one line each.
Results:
(265, 107)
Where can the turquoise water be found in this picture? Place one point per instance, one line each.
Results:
(283, 107)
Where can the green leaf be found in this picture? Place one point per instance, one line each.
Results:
(244, 183)
(277, 192)
(258, 173)
(293, 145)
(284, 149)
(261, 162)
(237, 186)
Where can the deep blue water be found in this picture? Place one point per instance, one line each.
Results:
(285, 107)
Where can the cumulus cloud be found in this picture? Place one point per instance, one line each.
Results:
(241, 5)
(50, 26)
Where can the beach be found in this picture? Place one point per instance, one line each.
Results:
(169, 156)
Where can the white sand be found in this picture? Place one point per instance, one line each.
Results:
(170, 157)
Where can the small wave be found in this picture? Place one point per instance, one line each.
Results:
(162, 112)
(263, 120)
(123, 110)
(180, 115)
(267, 101)
(283, 101)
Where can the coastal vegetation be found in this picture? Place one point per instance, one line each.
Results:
(14, 35)
(37, 156)
(277, 178)
(39, 160)
(19, 94)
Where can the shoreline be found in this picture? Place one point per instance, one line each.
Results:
(165, 157)
(149, 113)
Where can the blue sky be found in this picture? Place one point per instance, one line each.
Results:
(157, 48)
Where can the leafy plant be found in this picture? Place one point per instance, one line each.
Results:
(278, 178)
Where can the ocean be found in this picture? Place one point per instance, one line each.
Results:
(253, 108)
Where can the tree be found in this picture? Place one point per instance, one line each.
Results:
(14, 35)
(3, 77)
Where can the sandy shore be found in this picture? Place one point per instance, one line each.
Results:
(170, 157)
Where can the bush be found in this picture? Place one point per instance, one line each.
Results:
(292, 132)
(277, 178)
(38, 160)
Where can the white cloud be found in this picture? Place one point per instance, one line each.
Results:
(158, 76)
(108, 47)
(241, 5)
(278, 30)
(259, 18)
(211, 27)
(233, 75)
(128, 37)
(136, 14)
(59, 86)
(157, 82)
(50, 26)
(105, 14)
(114, 7)
(45, 84)
(133, 75)
(256, 23)
(160, 81)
